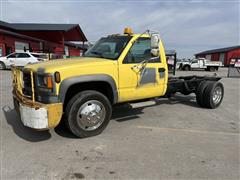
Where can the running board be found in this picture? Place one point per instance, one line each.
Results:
(143, 104)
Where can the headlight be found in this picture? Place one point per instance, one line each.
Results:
(45, 81)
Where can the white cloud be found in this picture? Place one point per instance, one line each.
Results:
(187, 27)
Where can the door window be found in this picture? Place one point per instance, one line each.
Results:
(22, 55)
(12, 55)
(194, 61)
(140, 51)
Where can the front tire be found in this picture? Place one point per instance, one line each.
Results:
(88, 113)
(186, 68)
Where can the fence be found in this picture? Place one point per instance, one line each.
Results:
(234, 68)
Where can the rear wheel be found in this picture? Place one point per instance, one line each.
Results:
(2, 66)
(200, 92)
(212, 69)
(88, 113)
(213, 95)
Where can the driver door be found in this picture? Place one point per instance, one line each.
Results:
(195, 64)
(139, 79)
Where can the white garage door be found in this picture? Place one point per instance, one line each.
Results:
(222, 57)
(19, 46)
(208, 57)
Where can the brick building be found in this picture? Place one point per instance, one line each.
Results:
(223, 54)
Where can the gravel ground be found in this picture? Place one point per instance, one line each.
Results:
(165, 139)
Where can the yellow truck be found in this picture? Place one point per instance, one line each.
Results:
(118, 68)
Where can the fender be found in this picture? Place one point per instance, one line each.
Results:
(67, 83)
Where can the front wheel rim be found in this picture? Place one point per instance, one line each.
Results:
(91, 115)
(217, 95)
(1, 66)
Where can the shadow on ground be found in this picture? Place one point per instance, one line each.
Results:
(125, 112)
(121, 113)
(21, 131)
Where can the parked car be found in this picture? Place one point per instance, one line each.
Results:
(21, 59)
(201, 63)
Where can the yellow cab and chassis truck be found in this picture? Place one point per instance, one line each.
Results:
(117, 69)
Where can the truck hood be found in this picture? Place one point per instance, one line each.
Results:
(64, 64)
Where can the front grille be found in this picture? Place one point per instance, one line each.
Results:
(27, 87)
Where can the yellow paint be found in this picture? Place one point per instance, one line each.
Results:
(54, 114)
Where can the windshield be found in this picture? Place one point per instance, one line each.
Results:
(108, 47)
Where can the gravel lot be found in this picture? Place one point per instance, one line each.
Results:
(171, 139)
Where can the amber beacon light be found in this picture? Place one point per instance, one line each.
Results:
(128, 31)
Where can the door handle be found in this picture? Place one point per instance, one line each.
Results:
(161, 69)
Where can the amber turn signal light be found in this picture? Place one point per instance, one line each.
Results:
(49, 82)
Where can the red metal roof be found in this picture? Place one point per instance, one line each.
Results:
(50, 32)
(220, 50)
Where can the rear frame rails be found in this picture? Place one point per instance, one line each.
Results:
(187, 84)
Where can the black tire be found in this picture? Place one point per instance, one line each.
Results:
(212, 69)
(2, 66)
(211, 101)
(76, 103)
(186, 68)
(170, 67)
(200, 92)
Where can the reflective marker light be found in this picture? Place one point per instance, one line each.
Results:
(57, 77)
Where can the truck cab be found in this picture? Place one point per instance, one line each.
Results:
(118, 68)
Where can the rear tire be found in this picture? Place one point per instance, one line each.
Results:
(2, 66)
(212, 69)
(213, 95)
(200, 92)
(88, 113)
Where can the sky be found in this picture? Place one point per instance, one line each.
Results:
(188, 26)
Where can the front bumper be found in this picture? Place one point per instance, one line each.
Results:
(34, 114)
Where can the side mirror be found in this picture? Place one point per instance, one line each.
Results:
(155, 40)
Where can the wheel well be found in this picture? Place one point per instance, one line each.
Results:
(101, 86)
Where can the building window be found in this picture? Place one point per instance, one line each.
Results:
(66, 51)
(222, 57)
(1, 51)
(20, 46)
